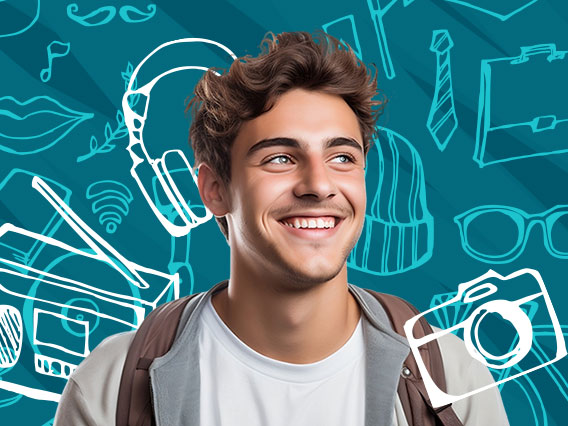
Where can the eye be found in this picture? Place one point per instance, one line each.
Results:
(279, 159)
(343, 159)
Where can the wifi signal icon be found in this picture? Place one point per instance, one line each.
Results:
(111, 200)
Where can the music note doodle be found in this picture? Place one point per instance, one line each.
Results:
(56, 49)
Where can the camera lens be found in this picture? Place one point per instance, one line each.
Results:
(515, 317)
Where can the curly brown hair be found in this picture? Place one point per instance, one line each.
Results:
(319, 62)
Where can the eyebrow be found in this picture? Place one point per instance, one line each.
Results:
(293, 143)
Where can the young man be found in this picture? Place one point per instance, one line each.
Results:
(281, 142)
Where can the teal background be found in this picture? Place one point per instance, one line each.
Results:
(90, 81)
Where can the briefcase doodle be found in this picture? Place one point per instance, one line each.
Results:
(522, 106)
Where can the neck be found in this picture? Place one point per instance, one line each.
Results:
(284, 320)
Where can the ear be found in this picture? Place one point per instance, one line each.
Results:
(212, 191)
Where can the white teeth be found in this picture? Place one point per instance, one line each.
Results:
(310, 223)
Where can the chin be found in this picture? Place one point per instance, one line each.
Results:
(309, 277)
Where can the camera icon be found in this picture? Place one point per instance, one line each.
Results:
(493, 315)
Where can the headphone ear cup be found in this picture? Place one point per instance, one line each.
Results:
(182, 182)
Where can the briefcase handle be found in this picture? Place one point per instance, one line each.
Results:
(538, 49)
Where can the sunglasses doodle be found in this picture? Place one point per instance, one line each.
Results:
(499, 234)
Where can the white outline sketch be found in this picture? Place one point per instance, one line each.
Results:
(469, 291)
(43, 222)
(45, 365)
(11, 335)
(38, 342)
(135, 124)
(134, 308)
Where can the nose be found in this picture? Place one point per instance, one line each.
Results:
(315, 181)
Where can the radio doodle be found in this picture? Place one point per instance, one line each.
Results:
(52, 317)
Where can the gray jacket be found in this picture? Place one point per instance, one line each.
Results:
(91, 393)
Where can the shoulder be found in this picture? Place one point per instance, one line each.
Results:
(106, 358)
(90, 396)
(463, 374)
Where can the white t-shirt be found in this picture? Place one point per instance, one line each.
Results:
(255, 390)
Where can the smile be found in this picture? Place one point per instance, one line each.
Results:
(310, 222)
(311, 226)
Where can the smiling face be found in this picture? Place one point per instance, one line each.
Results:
(296, 200)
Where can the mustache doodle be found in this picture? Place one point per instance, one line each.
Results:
(103, 15)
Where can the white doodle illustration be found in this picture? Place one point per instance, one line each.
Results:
(140, 157)
(60, 312)
(490, 298)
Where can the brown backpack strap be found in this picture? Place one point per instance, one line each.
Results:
(154, 338)
(157, 333)
(411, 390)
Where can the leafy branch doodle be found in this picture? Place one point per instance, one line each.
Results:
(120, 131)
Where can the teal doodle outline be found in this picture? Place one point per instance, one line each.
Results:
(74, 7)
(124, 10)
(545, 330)
(10, 400)
(532, 394)
(31, 24)
(537, 124)
(351, 19)
(559, 380)
(417, 199)
(75, 118)
(110, 218)
(524, 222)
(50, 57)
(121, 130)
(500, 16)
(442, 61)
(378, 12)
